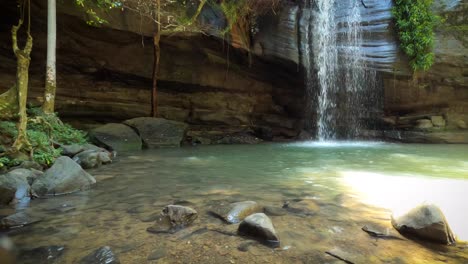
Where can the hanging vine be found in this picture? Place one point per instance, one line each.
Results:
(415, 22)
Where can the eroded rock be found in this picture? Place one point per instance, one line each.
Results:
(173, 218)
(92, 158)
(64, 177)
(426, 222)
(235, 212)
(259, 226)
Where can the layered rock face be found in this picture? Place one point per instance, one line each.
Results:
(105, 74)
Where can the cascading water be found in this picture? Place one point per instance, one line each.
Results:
(343, 78)
(325, 58)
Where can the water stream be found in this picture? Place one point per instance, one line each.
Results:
(344, 186)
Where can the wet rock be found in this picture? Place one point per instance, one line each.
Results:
(236, 212)
(71, 150)
(158, 132)
(117, 137)
(14, 186)
(47, 254)
(103, 255)
(438, 121)
(157, 254)
(306, 207)
(423, 124)
(259, 226)
(92, 158)
(274, 211)
(19, 219)
(304, 135)
(426, 222)
(7, 251)
(65, 176)
(27, 164)
(173, 218)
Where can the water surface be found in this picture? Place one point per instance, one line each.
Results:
(345, 185)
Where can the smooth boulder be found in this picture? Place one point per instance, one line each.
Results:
(118, 137)
(173, 218)
(426, 222)
(259, 226)
(64, 177)
(158, 132)
(103, 255)
(235, 212)
(15, 185)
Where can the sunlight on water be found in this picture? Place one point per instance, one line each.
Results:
(400, 193)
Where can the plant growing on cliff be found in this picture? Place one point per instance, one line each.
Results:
(415, 23)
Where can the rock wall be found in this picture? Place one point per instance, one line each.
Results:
(104, 74)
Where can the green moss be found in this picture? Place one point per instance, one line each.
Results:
(415, 23)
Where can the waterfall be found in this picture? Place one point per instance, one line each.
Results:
(343, 80)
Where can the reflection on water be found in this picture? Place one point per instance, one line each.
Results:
(341, 188)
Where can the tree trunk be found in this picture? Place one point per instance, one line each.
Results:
(157, 53)
(51, 75)
(154, 92)
(22, 77)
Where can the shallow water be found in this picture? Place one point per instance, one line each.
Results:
(346, 185)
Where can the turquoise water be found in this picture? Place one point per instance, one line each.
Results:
(346, 185)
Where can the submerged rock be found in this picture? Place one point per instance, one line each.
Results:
(92, 158)
(274, 211)
(65, 176)
(117, 137)
(173, 218)
(306, 207)
(236, 212)
(157, 254)
(426, 222)
(159, 132)
(19, 219)
(47, 254)
(103, 255)
(259, 226)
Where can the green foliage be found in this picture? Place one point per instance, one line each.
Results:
(6, 162)
(234, 10)
(43, 150)
(89, 6)
(43, 132)
(56, 130)
(415, 23)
